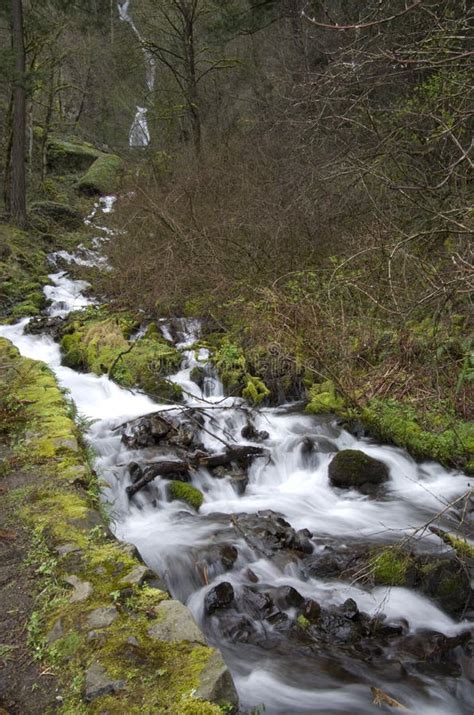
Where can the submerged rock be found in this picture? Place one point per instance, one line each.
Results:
(353, 469)
(221, 596)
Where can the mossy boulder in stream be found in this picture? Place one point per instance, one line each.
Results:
(98, 342)
(185, 492)
(443, 577)
(353, 469)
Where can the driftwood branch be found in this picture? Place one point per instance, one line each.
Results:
(181, 468)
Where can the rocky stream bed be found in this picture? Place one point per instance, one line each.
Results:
(317, 561)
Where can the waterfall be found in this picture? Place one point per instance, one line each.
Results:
(139, 135)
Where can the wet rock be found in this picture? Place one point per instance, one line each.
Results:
(240, 480)
(287, 597)
(198, 376)
(175, 624)
(99, 683)
(181, 431)
(215, 682)
(350, 609)
(135, 471)
(311, 610)
(102, 617)
(221, 596)
(228, 555)
(238, 628)
(251, 576)
(251, 433)
(45, 324)
(219, 472)
(82, 589)
(268, 533)
(146, 431)
(353, 469)
(257, 604)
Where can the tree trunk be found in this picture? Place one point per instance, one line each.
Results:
(7, 181)
(18, 148)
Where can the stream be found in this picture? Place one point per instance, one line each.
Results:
(256, 564)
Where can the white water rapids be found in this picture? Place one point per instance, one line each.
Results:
(169, 534)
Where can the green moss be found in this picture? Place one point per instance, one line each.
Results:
(103, 177)
(185, 492)
(71, 157)
(303, 622)
(191, 706)
(324, 398)
(463, 548)
(255, 390)
(23, 272)
(441, 437)
(390, 567)
(98, 343)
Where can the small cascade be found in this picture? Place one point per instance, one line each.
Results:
(139, 133)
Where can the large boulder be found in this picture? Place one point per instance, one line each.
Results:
(52, 212)
(70, 157)
(103, 177)
(353, 469)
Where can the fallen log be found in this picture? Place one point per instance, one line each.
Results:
(240, 455)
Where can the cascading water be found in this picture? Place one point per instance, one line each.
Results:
(139, 133)
(285, 495)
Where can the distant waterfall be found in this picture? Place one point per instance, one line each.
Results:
(139, 133)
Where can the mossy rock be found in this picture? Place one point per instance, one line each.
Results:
(391, 567)
(103, 177)
(441, 436)
(98, 342)
(23, 272)
(185, 492)
(70, 157)
(52, 212)
(444, 578)
(353, 469)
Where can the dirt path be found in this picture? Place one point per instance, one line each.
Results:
(25, 687)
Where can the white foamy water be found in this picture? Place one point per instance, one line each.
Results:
(288, 481)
